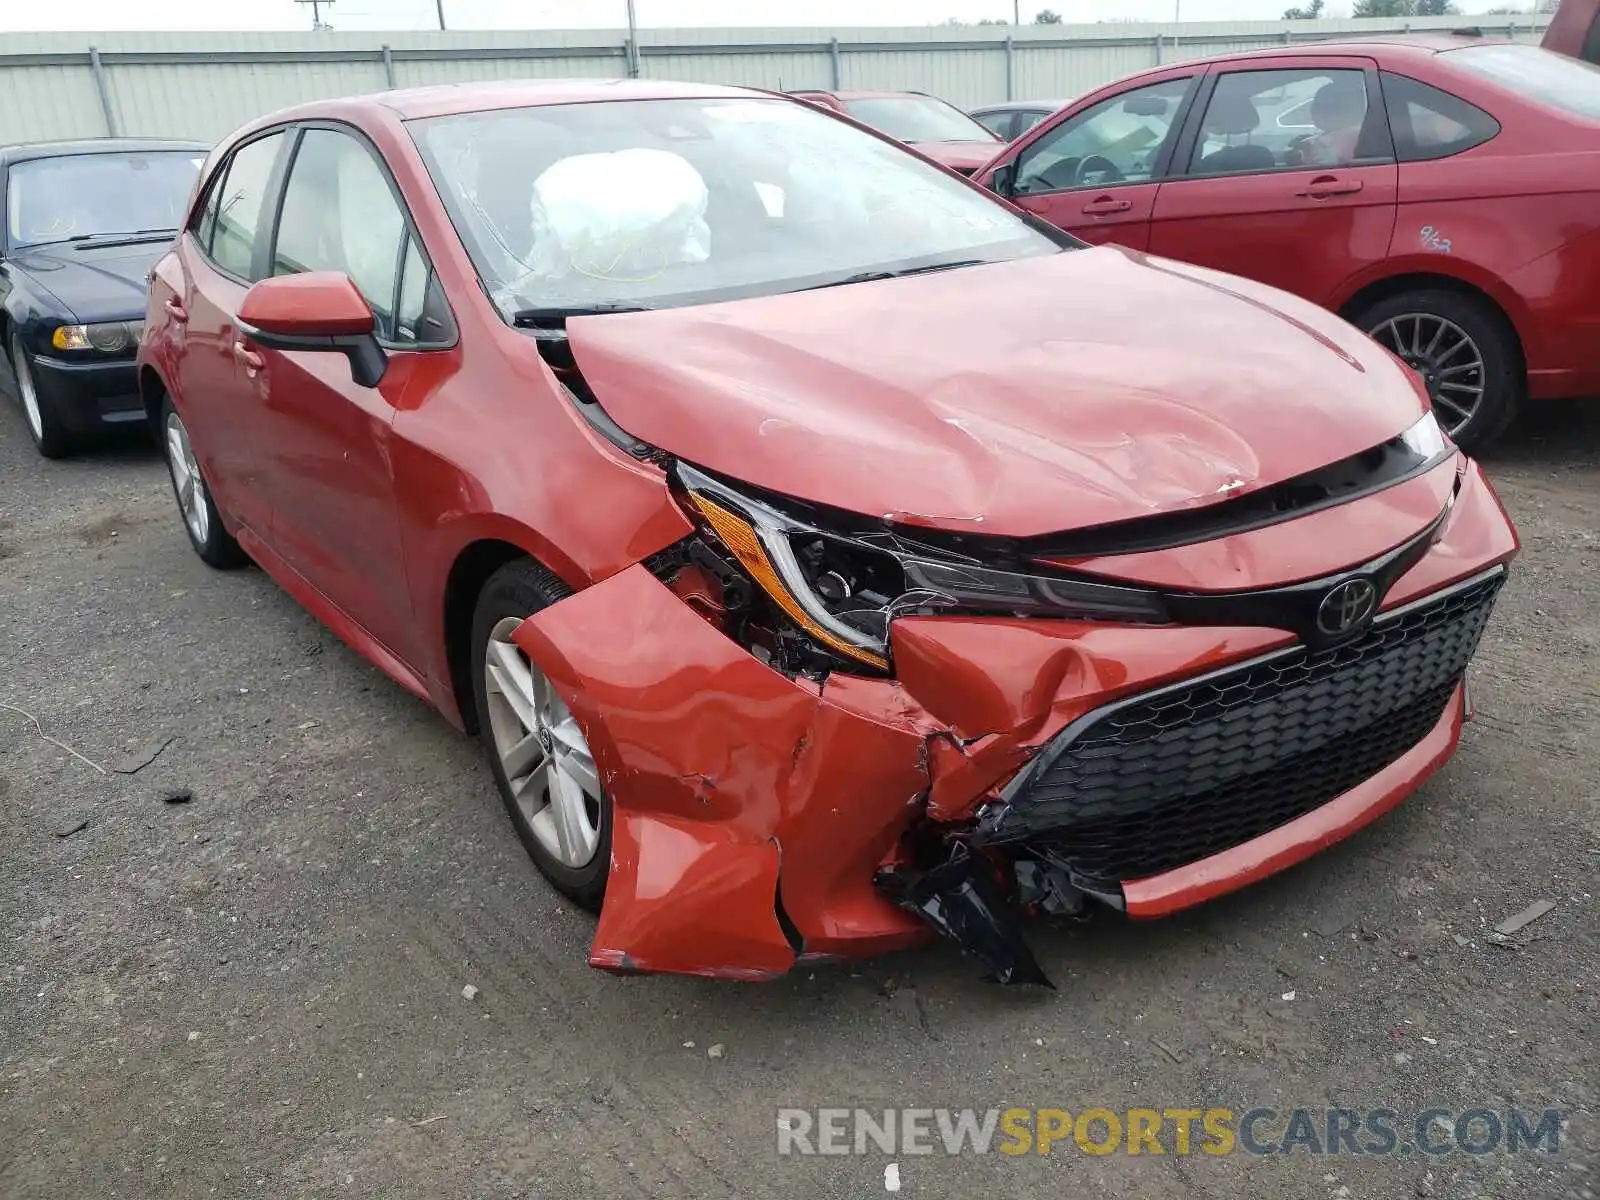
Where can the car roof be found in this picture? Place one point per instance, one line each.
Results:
(24, 151)
(1387, 48)
(446, 99)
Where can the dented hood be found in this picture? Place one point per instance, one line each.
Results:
(1016, 399)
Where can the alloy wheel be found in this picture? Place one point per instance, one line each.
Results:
(186, 479)
(543, 754)
(1449, 361)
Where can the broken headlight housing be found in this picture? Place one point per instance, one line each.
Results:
(843, 589)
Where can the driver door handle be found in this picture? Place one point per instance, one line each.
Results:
(248, 359)
(1324, 186)
(175, 309)
(1106, 205)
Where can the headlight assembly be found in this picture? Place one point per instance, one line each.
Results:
(107, 337)
(844, 590)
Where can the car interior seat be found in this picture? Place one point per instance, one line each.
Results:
(1234, 115)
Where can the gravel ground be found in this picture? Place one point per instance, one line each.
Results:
(260, 992)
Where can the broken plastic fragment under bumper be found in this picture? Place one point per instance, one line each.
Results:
(760, 819)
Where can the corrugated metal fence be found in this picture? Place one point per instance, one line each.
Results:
(55, 85)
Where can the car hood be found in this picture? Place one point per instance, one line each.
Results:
(965, 157)
(95, 282)
(1018, 398)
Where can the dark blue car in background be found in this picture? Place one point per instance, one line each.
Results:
(83, 223)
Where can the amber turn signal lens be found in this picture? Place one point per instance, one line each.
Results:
(745, 545)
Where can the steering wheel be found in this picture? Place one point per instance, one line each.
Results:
(1099, 164)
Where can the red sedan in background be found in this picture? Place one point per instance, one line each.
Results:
(1442, 193)
(822, 551)
(936, 128)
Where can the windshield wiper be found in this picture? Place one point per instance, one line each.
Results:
(127, 237)
(875, 276)
(556, 317)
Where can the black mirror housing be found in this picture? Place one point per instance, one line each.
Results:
(368, 361)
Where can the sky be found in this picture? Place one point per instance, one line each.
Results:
(88, 15)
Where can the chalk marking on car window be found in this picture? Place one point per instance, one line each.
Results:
(1432, 241)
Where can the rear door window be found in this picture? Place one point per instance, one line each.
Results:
(1429, 123)
(239, 208)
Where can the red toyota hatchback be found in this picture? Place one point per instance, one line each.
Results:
(1441, 193)
(824, 551)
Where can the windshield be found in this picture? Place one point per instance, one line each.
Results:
(649, 203)
(77, 196)
(1541, 75)
(918, 119)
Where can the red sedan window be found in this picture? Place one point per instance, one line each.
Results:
(1429, 123)
(1116, 141)
(1284, 120)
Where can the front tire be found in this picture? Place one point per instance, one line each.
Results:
(1467, 355)
(541, 760)
(201, 520)
(50, 437)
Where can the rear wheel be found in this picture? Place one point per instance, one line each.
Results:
(1465, 352)
(541, 760)
(202, 522)
(49, 435)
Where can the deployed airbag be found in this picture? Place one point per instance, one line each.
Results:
(627, 216)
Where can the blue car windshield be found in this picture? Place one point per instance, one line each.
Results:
(78, 196)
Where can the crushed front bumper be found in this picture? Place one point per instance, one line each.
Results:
(760, 820)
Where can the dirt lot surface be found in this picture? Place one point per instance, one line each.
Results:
(260, 992)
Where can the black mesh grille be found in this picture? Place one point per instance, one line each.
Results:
(1186, 772)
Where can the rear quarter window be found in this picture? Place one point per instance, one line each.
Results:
(1429, 123)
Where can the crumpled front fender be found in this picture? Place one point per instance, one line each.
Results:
(742, 799)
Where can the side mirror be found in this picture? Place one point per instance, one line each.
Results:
(1002, 180)
(319, 310)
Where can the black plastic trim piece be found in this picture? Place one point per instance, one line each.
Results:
(1378, 469)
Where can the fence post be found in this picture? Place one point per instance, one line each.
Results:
(1011, 67)
(837, 64)
(97, 68)
(388, 65)
(1161, 48)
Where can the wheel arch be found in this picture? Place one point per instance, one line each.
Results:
(471, 569)
(1422, 280)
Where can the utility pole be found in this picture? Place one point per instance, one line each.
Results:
(439, 4)
(1016, 12)
(316, 12)
(633, 43)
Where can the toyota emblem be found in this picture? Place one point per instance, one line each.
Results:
(1347, 607)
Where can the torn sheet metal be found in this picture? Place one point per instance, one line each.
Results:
(718, 768)
(723, 889)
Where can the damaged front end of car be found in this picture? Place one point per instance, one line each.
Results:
(824, 736)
